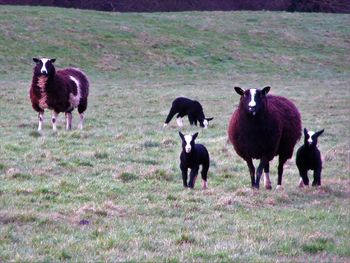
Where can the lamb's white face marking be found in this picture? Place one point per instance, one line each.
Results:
(188, 139)
(179, 122)
(74, 100)
(252, 102)
(43, 68)
(310, 133)
(205, 123)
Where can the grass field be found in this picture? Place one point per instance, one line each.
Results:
(113, 191)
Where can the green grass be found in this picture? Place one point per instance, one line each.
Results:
(113, 191)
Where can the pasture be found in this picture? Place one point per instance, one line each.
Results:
(113, 192)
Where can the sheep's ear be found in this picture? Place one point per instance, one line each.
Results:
(209, 119)
(181, 136)
(305, 131)
(52, 60)
(239, 91)
(266, 90)
(194, 136)
(319, 132)
(36, 60)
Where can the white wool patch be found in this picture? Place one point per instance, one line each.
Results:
(310, 133)
(252, 102)
(43, 68)
(188, 139)
(74, 100)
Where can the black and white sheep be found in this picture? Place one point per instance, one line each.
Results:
(60, 91)
(262, 127)
(309, 158)
(192, 156)
(192, 108)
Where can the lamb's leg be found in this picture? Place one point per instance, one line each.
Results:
(317, 177)
(205, 176)
(251, 170)
(184, 175)
(41, 120)
(54, 121)
(263, 163)
(304, 178)
(193, 176)
(68, 120)
(81, 121)
(267, 181)
(171, 114)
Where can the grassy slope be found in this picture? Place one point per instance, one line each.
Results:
(121, 173)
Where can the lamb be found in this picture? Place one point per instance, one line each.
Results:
(309, 158)
(262, 127)
(60, 91)
(192, 108)
(192, 156)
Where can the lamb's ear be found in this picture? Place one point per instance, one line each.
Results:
(181, 136)
(319, 132)
(209, 119)
(36, 60)
(52, 60)
(194, 136)
(266, 90)
(305, 131)
(239, 91)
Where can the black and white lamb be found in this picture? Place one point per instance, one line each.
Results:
(192, 108)
(192, 156)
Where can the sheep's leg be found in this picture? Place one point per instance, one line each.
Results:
(81, 121)
(281, 162)
(41, 120)
(267, 181)
(179, 122)
(251, 170)
(54, 121)
(193, 176)
(317, 177)
(68, 120)
(205, 176)
(263, 163)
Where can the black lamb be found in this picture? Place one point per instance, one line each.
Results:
(309, 158)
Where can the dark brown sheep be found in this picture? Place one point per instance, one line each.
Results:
(262, 127)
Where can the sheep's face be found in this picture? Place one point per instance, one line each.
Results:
(253, 100)
(310, 137)
(44, 66)
(188, 141)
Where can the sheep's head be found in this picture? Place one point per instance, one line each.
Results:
(310, 137)
(188, 141)
(44, 66)
(253, 100)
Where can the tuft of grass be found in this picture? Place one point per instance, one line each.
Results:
(319, 245)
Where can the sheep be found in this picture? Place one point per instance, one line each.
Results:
(192, 108)
(60, 91)
(192, 156)
(309, 158)
(262, 127)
